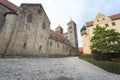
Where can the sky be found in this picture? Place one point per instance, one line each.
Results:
(60, 12)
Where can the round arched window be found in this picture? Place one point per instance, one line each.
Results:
(29, 18)
(43, 25)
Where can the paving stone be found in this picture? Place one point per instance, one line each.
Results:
(69, 68)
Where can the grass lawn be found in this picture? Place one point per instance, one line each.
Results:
(110, 66)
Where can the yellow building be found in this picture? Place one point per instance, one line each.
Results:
(111, 22)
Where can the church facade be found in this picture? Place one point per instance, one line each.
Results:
(25, 31)
(110, 22)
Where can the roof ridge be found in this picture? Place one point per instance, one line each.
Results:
(113, 17)
(9, 5)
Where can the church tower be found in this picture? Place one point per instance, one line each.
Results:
(59, 29)
(72, 33)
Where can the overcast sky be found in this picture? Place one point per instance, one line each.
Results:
(61, 11)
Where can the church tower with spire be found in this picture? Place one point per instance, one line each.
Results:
(72, 33)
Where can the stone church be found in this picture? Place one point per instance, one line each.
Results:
(25, 31)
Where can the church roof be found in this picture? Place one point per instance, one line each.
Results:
(9, 5)
(112, 17)
(61, 36)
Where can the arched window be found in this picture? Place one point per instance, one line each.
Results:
(39, 11)
(40, 48)
(50, 43)
(43, 25)
(24, 46)
(57, 45)
(29, 18)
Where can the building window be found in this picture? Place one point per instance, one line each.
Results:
(29, 18)
(40, 48)
(45, 38)
(70, 32)
(50, 43)
(113, 24)
(50, 35)
(106, 25)
(24, 45)
(41, 36)
(97, 20)
(57, 45)
(103, 18)
(70, 27)
(39, 11)
(43, 25)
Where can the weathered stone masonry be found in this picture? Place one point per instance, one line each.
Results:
(25, 31)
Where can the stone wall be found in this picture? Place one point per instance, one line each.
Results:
(57, 48)
(30, 38)
(6, 32)
(58, 45)
(72, 34)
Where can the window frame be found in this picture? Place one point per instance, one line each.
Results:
(113, 23)
(106, 25)
(29, 18)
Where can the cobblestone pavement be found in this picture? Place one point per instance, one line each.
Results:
(70, 68)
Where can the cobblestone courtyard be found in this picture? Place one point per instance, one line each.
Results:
(70, 68)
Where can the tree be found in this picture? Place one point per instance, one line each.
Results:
(105, 40)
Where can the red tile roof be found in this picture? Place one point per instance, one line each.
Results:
(66, 33)
(115, 17)
(89, 23)
(61, 36)
(9, 5)
(112, 17)
(80, 49)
